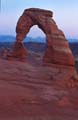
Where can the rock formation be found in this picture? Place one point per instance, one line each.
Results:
(57, 50)
(38, 92)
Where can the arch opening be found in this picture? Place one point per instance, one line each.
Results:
(35, 42)
(36, 32)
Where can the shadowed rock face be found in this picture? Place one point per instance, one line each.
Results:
(57, 50)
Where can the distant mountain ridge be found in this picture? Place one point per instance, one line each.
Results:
(34, 44)
(72, 40)
(10, 38)
(7, 38)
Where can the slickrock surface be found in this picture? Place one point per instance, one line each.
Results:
(35, 91)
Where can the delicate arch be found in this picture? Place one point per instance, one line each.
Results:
(57, 50)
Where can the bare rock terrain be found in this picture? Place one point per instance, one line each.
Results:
(32, 90)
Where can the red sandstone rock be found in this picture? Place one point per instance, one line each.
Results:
(57, 50)
(28, 90)
(19, 51)
(64, 102)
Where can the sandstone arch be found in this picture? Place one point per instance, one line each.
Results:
(57, 50)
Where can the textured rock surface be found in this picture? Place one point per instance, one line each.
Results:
(19, 50)
(29, 91)
(57, 50)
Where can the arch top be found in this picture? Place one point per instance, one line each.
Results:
(39, 11)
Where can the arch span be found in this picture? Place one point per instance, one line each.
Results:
(57, 50)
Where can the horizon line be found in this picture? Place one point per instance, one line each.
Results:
(36, 36)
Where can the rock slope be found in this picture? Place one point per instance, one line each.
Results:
(37, 91)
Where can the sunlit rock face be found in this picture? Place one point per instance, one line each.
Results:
(57, 49)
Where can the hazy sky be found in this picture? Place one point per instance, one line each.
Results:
(65, 15)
